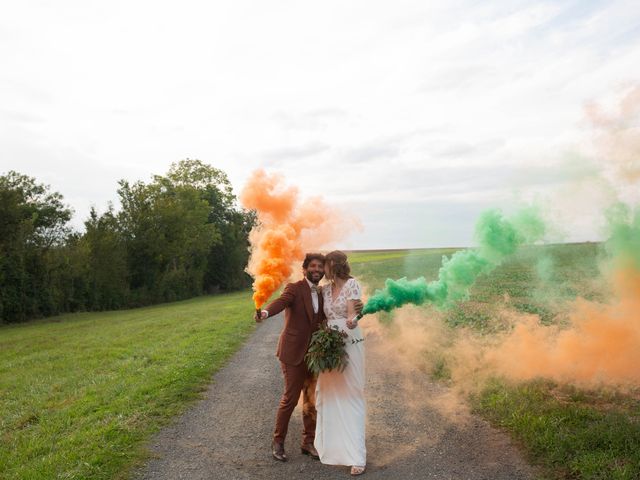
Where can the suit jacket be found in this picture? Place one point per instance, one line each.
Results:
(299, 321)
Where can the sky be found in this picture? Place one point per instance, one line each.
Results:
(413, 116)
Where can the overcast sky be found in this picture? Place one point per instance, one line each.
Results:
(414, 115)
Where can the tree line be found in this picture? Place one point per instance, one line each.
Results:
(175, 237)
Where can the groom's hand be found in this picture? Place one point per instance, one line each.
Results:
(358, 305)
(258, 317)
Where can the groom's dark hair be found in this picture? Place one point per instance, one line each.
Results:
(312, 256)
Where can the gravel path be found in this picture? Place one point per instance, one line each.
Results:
(415, 429)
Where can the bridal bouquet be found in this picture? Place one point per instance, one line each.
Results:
(327, 350)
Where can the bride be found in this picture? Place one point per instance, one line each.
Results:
(340, 403)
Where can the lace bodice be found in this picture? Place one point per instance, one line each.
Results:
(336, 308)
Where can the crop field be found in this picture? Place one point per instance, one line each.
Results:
(570, 432)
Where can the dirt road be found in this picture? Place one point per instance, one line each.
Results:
(414, 428)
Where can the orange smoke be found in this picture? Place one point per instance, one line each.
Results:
(287, 229)
(618, 134)
(601, 346)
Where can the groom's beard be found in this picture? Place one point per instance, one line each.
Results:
(314, 277)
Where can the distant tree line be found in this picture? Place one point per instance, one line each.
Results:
(179, 236)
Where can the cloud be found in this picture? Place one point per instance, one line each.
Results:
(318, 119)
(456, 149)
(460, 183)
(461, 76)
(276, 157)
(448, 103)
(370, 153)
(17, 117)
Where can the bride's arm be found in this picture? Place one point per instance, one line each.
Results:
(352, 297)
(351, 314)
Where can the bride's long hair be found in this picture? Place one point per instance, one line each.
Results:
(338, 265)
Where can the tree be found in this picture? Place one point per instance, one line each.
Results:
(167, 235)
(175, 237)
(228, 259)
(33, 221)
(108, 282)
(41, 212)
(227, 256)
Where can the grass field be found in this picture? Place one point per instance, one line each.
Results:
(80, 393)
(571, 433)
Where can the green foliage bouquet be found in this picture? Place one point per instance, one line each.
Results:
(327, 350)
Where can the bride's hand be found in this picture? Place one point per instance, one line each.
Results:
(358, 306)
(351, 324)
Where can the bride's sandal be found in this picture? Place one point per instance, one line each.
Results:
(355, 470)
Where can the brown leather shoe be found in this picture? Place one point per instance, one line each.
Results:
(309, 449)
(277, 450)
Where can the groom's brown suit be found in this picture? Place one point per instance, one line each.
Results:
(300, 322)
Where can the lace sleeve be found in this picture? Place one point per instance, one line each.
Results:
(353, 293)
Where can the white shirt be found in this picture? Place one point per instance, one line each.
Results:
(314, 295)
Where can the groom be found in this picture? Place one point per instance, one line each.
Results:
(302, 303)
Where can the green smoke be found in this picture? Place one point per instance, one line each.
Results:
(497, 237)
(623, 244)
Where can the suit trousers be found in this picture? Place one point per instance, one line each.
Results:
(297, 379)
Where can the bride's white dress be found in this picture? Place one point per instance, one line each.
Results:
(340, 402)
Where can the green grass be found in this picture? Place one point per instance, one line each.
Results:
(375, 266)
(80, 394)
(571, 433)
(405, 255)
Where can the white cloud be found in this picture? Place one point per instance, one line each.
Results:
(368, 99)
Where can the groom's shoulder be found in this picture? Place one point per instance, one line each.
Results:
(294, 285)
(298, 284)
